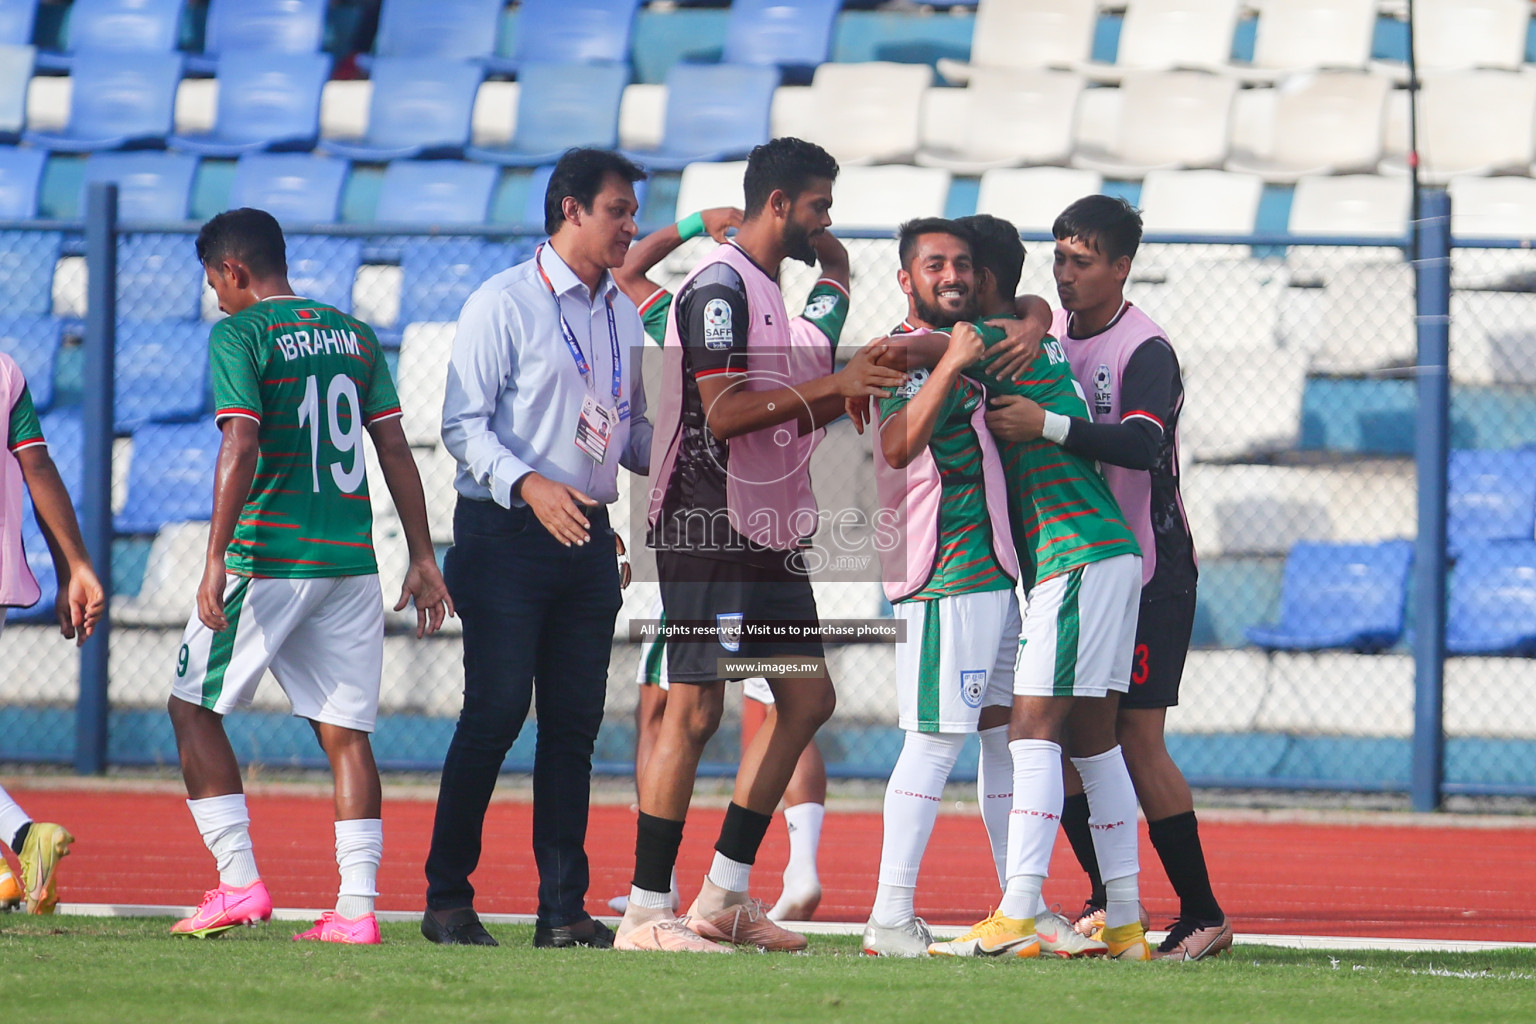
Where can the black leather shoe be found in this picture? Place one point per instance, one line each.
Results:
(582, 933)
(457, 927)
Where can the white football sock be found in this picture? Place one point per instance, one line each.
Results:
(912, 799)
(1112, 819)
(12, 817)
(359, 849)
(1122, 900)
(1032, 825)
(804, 823)
(730, 875)
(994, 792)
(645, 899)
(225, 825)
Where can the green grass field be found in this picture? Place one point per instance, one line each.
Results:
(99, 969)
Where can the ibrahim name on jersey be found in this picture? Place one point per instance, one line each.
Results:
(1064, 514)
(314, 379)
(965, 560)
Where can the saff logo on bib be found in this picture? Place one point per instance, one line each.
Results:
(819, 307)
(1103, 394)
(728, 629)
(972, 686)
(717, 324)
(914, 384)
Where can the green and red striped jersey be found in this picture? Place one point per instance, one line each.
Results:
(1063, 512)
(964, 561)
(314, 378)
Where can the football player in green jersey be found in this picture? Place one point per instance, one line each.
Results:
(826, 308)
(290, 581)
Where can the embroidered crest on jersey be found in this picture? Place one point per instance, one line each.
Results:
(1103, 394)
(972, 686)
(820, 306)
(728, 629)
(717, 324)
(914, 384)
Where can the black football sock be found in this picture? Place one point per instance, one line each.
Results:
(1074, 822)
(656, 843)
(1177, 841)
(20, 837)
(742, 833)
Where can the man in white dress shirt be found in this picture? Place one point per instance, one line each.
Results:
(544, 403)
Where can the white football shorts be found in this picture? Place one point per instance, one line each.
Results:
(958, 657)
(322, 638)
(1080, 631)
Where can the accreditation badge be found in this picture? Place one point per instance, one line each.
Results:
(594, 429)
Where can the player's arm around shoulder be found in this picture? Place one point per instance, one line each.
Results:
(906, 433)
(423, 580)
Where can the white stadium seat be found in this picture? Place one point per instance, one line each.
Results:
(1032, 197)
(1167, 119)
(1465, 34)
(1240, 402)
(1351, 204)
(1492, 208)
(883, 197)
(1324, 123)
(1473, 122)
(170, 575)
(493, 120)
(1167, 34)
(1200, 202)
(344, 109)
(705, 186)
(1027, 34)
(1002, 119)
(1304, 35)
(860, 113)
(642, 116)
(1230, 304)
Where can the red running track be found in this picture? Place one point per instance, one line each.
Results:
(1308, 875)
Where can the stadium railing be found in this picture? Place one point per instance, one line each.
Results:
(1302, 422)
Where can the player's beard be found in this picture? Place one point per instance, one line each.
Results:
(797, 244)
(937, 316)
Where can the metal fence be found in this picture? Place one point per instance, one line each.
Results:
(1304, 422)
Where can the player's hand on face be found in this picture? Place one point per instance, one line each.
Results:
(865, 376)
(721, 219)
(424, 582)
(1015, 418)
(558, 507)
(1018, 349)
(210, 598)
(81, 604)
(965, 346)
(858, 411)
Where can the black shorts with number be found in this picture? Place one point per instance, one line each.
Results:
(725, 598)
(1163, 630)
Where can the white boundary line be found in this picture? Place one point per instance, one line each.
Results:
(1335, 942)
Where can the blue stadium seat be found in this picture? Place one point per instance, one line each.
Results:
(571, 32)
(158, 278)
(161, 372)
(792, 35)
(1492, 497)
(420, 107)
(560, 106)
(170, 479)
(27, 260)
(15, 75)
(260, 26)
(324, 269)
(21, 174)
(123, 26)
(427, 192)
(33, 341)
(1347, 596)
(714, 112)
(266, 101)
(16, 20)
(40, 561)
(1493, 600)
(438, 275)
(150, 186)
(296, 188)
(119, 101)
(452, 29)
(65, 433)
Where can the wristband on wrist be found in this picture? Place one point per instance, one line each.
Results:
(1056, 427)
(691, 226)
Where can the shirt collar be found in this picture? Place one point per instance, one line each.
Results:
(564, 279)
